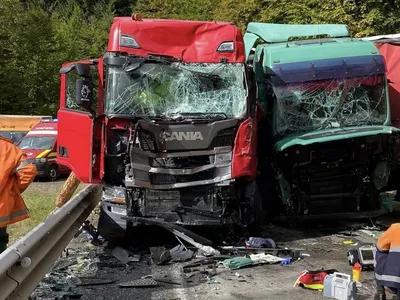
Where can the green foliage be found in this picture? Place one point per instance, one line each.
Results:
(37, 36)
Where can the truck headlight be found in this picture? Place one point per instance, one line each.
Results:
(40, 160)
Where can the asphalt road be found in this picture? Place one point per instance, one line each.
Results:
(325, 245)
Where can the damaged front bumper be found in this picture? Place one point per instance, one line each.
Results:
(194, 206)
(111, 225)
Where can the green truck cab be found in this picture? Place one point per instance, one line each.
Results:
(326, 143)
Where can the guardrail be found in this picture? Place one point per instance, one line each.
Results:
(27, 261)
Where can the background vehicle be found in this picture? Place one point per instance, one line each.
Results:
(14, 127)
(177, 129)
(327, 129)
(40, 145)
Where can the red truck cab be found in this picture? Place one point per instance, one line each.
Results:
(169, 114)
(40, 146)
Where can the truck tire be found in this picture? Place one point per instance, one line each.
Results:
(53, 173)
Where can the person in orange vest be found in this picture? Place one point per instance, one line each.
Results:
(387, 262)
(16, 174)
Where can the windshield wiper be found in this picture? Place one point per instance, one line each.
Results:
(128, 116)
(130, 67)
(161, 59)
(216, 115)
(198, 73)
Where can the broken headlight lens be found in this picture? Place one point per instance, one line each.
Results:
(114, 194)
(223, 157)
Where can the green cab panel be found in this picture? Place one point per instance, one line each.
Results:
(324, 136)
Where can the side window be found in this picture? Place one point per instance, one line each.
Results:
(71, 89)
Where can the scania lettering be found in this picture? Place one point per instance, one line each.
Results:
(188, 136)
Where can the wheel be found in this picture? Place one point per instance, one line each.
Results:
(53, 173)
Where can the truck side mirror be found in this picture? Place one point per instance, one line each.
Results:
(84, 94)
(83, 70)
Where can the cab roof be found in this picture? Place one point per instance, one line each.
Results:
(274, 42)
(190, 41)
(316, 49)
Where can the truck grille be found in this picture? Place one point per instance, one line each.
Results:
(224, 138)
(172, 179)
(146, 140)
(180, 162)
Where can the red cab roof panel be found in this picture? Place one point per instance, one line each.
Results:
(192, 41)
(391, 53)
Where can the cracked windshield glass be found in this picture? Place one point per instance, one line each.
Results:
(159, 89)
(326, 104)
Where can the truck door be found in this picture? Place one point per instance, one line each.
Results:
(79, 142)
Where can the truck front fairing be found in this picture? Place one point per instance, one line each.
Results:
(329, 117)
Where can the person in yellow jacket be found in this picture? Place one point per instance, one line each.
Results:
(16, 174)
(151, 94)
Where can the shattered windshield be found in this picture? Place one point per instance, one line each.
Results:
(156, 89)
(309, 106)
(37, 143)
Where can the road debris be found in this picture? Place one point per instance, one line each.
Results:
(159, 255)
(313, 279)
(92, 233)
(125, 256)
(203, 250)
(237, 262)
(286, 261)
(180, 254)
(88, 281)
(257, 242)
(167, 281)
(146, 281)
(252, 259)
(170, 227)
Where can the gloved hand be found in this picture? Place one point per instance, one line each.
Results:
(286, 261)
(237, 262)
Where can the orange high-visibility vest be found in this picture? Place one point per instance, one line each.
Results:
(16, 174)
